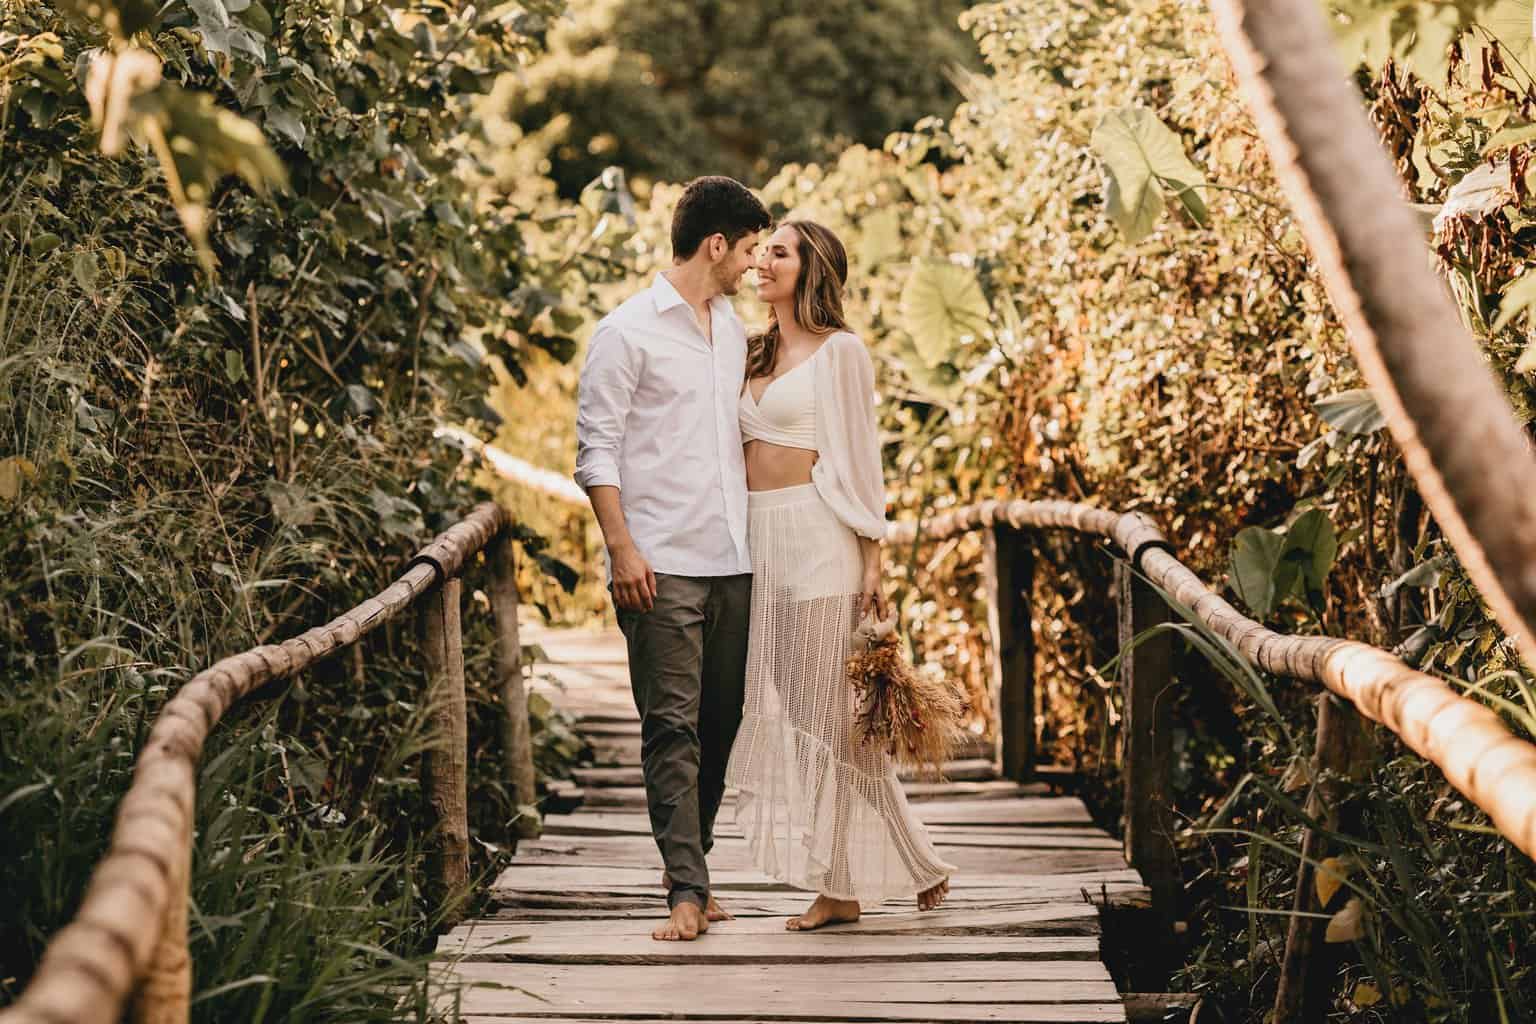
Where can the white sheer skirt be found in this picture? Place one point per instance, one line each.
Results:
(820, 811)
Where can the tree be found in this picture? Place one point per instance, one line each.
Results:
(677, 88)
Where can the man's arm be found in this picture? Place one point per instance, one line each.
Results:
(634, 584)
(604, 396)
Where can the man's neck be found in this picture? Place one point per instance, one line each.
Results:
(695, 283)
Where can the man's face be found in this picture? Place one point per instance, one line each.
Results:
(738, 259)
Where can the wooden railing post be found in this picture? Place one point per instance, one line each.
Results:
(1343, 746)
(502, 554)
(1146, 680)
(1009, 571)
(445, 763)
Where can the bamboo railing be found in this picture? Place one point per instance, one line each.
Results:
(1465, 739)
(128, 940)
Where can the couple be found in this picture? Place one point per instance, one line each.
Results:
(738, 485)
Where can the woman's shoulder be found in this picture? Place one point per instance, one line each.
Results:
(842, 344)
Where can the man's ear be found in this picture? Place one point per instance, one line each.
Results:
(718, 247)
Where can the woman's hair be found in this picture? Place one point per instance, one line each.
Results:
(818, 294)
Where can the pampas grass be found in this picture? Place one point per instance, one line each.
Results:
(915, 715)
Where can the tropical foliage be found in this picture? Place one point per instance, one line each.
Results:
(220, 398)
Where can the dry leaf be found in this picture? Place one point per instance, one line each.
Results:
(1366, 994)
(1330, 875)
(1347, 925)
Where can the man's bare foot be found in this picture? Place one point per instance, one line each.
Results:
(823, 912)
(929, 899)
(714, 911)
(686, 924)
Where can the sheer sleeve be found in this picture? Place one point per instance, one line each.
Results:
(848, 474)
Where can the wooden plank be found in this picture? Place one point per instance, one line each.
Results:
(940, 1001)
(1021, 920)
(1034, 811)
(970, 972)
(1057, 917)
(734, 855)
(543, 942)
(896, 1013)
(979, 774)
(572, 878)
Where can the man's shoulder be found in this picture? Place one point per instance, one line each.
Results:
(638, 308)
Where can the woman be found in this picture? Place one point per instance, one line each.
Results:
(820, 810)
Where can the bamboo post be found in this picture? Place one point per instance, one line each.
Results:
(445, 763)
(516, 742)
(1146, 679)
(1009, 570)
(1343, 746)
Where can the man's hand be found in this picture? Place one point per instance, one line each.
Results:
(634, 584)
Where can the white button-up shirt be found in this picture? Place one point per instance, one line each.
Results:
(656, 417)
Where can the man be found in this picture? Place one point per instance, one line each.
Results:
(659, 455)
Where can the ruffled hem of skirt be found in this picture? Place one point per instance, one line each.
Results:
(789, 848)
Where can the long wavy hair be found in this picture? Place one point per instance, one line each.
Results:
(818, 294)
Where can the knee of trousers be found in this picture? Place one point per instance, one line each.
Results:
(669, 735)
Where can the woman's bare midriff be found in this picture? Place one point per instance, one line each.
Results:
(771, 466)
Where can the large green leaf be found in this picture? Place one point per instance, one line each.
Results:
(1144, 161)
(941, 383)
(1307, 557)
(942, 307)
(879, 237)
(1269, 566)
(1255, 556)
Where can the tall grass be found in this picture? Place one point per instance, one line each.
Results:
(1447, 903)
(152, 521)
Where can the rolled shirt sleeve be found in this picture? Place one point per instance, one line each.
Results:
(848, 473)
(603, 398)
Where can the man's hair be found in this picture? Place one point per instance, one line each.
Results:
(715, 205)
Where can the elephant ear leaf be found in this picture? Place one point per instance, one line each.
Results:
(1145, 163)
(942, 308)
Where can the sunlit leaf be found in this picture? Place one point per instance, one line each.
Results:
(1331, 873)
(1144, 161)
(942, 308)
(1351, 412)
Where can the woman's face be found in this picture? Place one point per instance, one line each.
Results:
(778, 266)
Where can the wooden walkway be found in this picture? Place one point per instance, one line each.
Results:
(568, 940)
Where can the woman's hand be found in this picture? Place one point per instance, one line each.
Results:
(872, 595)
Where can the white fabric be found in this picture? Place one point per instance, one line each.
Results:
(786, 414)
(656, 417)
(848, 474)
(819, 810)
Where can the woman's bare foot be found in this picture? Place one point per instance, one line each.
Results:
(713, 911)
(686, 924)
(823, 912)
(929, 899)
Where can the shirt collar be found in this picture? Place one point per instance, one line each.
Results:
(666, 296)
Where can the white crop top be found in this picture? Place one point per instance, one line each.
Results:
(827, 405)
(786, 414)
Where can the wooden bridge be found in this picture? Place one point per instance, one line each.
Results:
(1018, 939)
